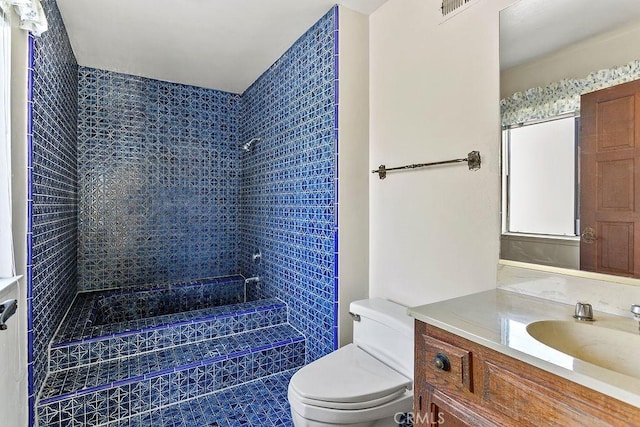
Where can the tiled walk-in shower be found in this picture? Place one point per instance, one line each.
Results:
(145, 213)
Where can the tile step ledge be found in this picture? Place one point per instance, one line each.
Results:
(77, 381)
(210, 325)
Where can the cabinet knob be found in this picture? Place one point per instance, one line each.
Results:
(441, 362)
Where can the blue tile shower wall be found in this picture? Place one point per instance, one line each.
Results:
(161, 194)
(159, 178)
(289, 189)
(52, 198)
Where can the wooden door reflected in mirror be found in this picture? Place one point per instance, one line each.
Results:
(610, 181)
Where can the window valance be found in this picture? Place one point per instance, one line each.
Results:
(562, 97)
(31, 15)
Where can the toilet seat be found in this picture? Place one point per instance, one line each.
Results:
(349, 406)
(348, 379)
(330, 416)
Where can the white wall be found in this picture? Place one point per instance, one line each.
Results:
(434, 90)
(353, 181)
(13, 362)
(13, 341)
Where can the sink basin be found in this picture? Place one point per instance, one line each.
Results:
(608, 348)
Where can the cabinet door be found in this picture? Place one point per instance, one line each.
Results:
(444, 411)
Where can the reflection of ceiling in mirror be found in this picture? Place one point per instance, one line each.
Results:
(531, 28)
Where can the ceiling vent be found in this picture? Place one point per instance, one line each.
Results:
(453, 7)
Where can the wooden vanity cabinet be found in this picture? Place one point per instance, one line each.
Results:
(461, 383)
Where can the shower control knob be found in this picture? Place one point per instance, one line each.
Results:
(441, 362)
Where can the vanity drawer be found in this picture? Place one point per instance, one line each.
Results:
(483, 387)
(447, 365)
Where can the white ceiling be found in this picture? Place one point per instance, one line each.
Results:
(532, 28)
(219, 44)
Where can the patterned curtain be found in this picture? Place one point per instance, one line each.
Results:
(31, 15)
(562, 97)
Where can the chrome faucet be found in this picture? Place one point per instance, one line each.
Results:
(584, 311)
(255, 279)
(635, 309)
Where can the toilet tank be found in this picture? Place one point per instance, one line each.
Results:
(385, 331)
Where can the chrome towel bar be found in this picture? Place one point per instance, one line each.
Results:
(472, 159)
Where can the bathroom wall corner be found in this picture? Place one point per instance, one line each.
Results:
(52, 190)
(13, 341)
(352, 154)
(289, 184)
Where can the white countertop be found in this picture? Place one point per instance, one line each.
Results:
(497, 319)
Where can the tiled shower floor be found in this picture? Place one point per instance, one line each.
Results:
(259, 403)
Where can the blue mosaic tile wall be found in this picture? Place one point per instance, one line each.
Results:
(159, 179)
(52, 226)
(157, 189)
(289, 184)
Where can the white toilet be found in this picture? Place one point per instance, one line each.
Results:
(364, 384)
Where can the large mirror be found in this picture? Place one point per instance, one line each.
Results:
(551, 53)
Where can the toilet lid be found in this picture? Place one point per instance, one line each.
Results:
(348, 375)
